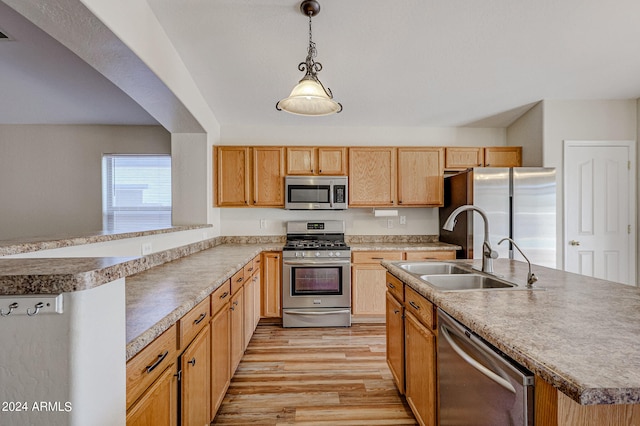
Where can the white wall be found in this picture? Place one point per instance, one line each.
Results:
(50, 176)
(582, 120)
(527, 132)
(362, 136)
(76, 357)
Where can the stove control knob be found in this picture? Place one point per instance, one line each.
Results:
(317, 254)
(337, 253)
(330, 254)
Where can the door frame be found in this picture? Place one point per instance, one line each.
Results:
(631, 146)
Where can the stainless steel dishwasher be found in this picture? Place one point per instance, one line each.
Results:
(477, 384)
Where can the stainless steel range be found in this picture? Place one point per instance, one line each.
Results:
(316, 275)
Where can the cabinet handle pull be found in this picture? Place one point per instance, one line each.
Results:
(235, 302)
(391, 285)
(200, 318)
(250, 269)
(377, 258)
(224, 295)
(192, 362)
(414, 305)
(232, 308)
(396, 311)
(161, 358)
(240, 279)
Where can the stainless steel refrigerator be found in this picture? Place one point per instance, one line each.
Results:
(520, 203)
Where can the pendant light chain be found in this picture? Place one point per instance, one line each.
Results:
(312, 67)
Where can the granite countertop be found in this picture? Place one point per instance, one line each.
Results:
(579, 334)
(27, 245)
(159, 297)
(404, 246)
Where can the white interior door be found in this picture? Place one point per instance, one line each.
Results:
(599, 219)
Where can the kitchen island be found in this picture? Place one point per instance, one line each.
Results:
(577, 334)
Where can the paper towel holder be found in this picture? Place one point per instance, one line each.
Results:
(384, 213)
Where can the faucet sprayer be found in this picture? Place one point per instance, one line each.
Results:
(531, 278)
(488, 254)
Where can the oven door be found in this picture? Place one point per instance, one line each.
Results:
(316, 283)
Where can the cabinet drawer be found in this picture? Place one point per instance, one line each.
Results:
(144, 368)
(420, 307)
(194, 321)
(395, 287)
(431, 255)
(236, 281)
(249, 269)
(375, 256)
(220, 297)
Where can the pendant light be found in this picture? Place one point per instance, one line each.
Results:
(309, 96)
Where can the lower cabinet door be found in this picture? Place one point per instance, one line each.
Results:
(196, 381)
(395, 340)
(237, 329)
(420, 369)
(158, 405)
(220, 361)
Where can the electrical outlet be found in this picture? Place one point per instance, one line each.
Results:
(146, 249)
(389, 223)
(263, 223)
(403, 220)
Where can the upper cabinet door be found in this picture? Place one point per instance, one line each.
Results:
(301, 160)
(503, 156)
(232, 169)
(420, 176)
(308, 160)
(372, 176)
(460, 158)
(268, 176)
(332, 161)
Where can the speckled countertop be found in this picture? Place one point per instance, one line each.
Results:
(160, 296)
(578, 333)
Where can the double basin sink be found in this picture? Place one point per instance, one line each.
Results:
(445, 276)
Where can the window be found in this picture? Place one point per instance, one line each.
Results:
(136, 192)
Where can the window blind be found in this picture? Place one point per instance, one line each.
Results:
(136, 192)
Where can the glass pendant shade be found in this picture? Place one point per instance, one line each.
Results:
(308, 97)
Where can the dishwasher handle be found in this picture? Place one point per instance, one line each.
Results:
(444, 331)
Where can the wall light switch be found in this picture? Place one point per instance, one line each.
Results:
(403, 220)
(263, 223)
(389, 223)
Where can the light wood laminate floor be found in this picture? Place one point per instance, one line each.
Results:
(314, 376)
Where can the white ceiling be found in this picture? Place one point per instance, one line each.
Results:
(422, 63)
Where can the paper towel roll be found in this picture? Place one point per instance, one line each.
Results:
(385, 213)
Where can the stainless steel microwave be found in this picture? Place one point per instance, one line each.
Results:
(316, 192)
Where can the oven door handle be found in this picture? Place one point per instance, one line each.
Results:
(341, 311)
(314, 262)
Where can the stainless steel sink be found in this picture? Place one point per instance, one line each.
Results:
(432, 268)
(465, 282)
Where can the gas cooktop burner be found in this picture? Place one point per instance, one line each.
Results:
(315, 244)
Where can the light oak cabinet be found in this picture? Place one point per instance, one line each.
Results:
(232, 176)
(420, 370)
(420, 177)
(411, 349)
(220, 328)
(368, 278)
(237, 330)
(309, 160)
(195, 380)
(395, 339)
(158, 405)
(268, 176)
(249, 176)
(251, 300)
(271, 284)
(460, 158)
(387, 176)
(152, 393)
(372, 177)
(503, 156)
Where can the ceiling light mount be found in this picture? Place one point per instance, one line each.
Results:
(309, 96)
